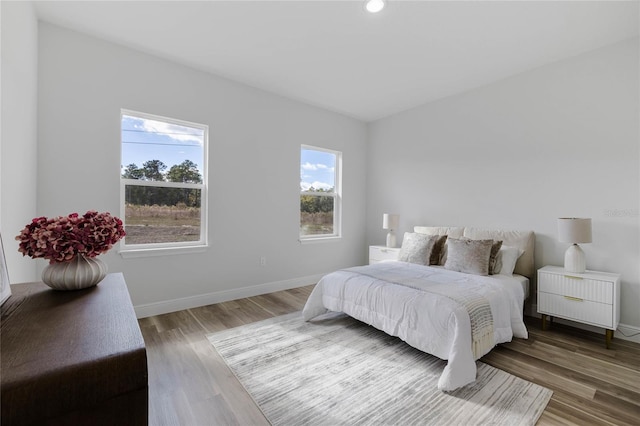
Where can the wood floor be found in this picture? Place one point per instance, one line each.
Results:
(189, 384)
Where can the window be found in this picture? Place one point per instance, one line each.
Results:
(320, 194)
(162, 182)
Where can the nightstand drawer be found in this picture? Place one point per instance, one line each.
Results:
(576, 286)
(381, 253)
(577, 309)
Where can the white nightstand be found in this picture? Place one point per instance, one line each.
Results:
(591, 297)
(380, 253)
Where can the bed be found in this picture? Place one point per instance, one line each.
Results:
(454, 293)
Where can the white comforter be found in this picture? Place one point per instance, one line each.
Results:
(434, 324)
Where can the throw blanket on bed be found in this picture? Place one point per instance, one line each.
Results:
(477, 306)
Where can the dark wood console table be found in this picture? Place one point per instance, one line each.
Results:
(72, 357)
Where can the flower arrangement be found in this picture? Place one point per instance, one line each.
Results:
(62, 238)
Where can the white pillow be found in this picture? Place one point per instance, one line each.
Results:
(506, 260)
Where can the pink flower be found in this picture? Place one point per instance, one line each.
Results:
(62, 238)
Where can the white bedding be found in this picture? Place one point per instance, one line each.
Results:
(524, 282)
(432, 323)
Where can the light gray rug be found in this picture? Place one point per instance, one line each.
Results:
(339, 371)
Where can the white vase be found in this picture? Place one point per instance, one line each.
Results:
(80, 272)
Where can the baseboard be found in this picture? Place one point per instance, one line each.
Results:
(167, 306)
(631, 333)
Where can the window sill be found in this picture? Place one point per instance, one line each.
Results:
(319, 239)
(164, 251)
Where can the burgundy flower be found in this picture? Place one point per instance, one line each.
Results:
(62, 238)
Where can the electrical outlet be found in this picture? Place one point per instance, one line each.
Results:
(263, 261)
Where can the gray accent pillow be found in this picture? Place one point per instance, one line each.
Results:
(438, 250)
(469, 256)
(493, 257)
(417, 248)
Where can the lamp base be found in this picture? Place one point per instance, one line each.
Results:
(574, 259)
(391, 239)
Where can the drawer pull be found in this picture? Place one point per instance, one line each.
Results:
(573, 277)
(575, 299)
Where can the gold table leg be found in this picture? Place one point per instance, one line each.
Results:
(609, 338)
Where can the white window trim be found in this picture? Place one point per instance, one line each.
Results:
(319, 239)
(183, 247)
(337, 202)
(161, 251)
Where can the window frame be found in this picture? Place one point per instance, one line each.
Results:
(177, 247)
(336, 194)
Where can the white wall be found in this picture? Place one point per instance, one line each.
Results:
(560, 140)
(18, 138)
(254, 173)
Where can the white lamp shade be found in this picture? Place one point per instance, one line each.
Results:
(574, 230)
(390, 221)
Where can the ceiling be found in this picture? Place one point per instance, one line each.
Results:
(334, 55)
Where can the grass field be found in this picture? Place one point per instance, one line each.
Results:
(170, 224)
(161, 224)
(316, 223)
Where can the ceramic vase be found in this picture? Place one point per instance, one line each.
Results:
(80, 272)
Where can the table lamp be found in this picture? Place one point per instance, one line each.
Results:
(574, 230)
(390, 221)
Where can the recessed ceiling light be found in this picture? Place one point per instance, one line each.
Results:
(375, 6)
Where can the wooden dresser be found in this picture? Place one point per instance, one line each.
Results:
(72, 357)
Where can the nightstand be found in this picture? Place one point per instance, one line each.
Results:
(590, 298)
(380, 253)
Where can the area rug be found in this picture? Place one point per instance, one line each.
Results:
(338, 371)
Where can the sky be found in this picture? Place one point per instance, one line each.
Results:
(144, 140)
(317, 169)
